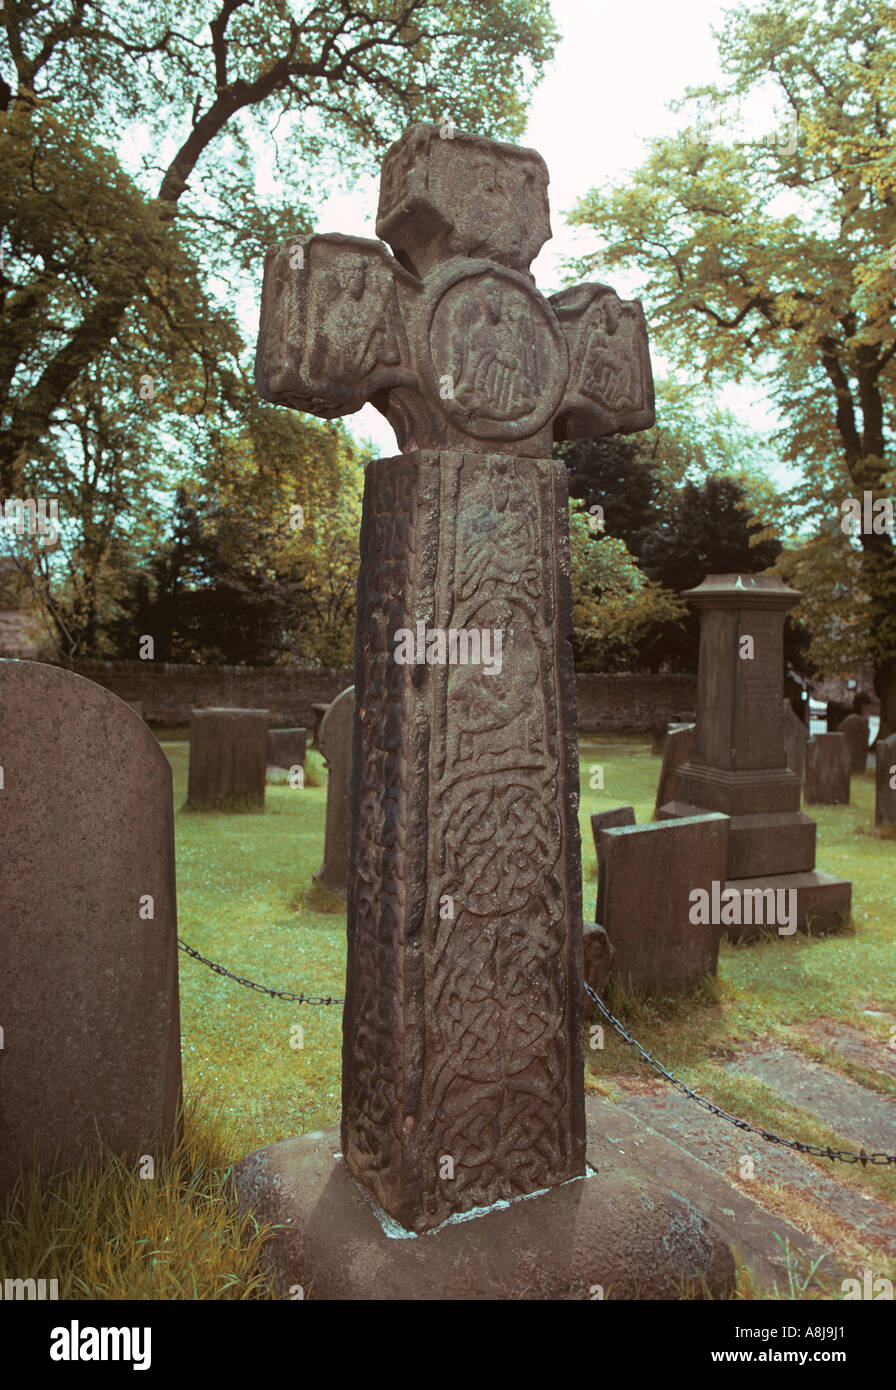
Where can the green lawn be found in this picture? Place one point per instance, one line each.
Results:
(245, 900)
(238, 877)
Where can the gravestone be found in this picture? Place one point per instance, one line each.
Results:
(335, 744)
(738, 764)
(885, 782)
(463, 1077)
(318, 711)
(828, 767)
(645, 904)
(796, 736)
(228, 758)
(609, 820)
(855, 729)
(677, 750)
(599, 957)
(286, 747)
(88, 926)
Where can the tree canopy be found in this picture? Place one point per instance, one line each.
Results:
(148, 158)
(772, 253)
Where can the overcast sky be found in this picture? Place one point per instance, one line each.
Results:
(615, 71)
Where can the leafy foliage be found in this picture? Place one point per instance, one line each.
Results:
(773, 253)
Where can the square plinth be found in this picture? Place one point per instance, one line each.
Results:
(765, 844)
(823, 903)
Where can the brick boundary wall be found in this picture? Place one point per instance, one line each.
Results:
(607, 703)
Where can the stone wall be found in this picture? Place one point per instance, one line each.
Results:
(607, 704)
(168, 692)
(629, 704)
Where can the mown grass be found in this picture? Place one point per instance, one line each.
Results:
(246, 899)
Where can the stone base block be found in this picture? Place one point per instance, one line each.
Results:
(771, 844)
(747, 793)
(618, 1231)
(823, 903)
(760, 845)
(678, 810)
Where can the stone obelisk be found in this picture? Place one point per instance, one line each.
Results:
(738, 764)
(462, 1032)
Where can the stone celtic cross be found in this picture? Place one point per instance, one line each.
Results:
(463, 1073)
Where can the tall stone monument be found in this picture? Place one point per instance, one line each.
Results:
(738, 764)
(463, 1078)
(462, 1051)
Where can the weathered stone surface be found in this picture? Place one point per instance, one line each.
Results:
(335, 744)
(828, 762)
(286, 747)
(471, 811)
(855, 729)
(677, 750)
(599, 958)
(737, 764)
(88, 929)
(855, 1111)
(823, 902)
(796, 736)
(622, 1229)
(609, 820)
(644, 902)
(885, 782)
(462, 1026)
(228, 758)
(344, 322)
(771, 844)
(667, 1133)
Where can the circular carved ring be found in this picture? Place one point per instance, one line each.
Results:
(496, 357)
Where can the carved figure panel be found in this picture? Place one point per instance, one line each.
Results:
(610, 388)
(466, 794)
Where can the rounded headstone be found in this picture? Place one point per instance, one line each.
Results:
(89, 1007)
(335, 744)
(855, 729)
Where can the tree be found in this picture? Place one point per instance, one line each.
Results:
(613, 604)
(777, 255)
(260, 563)
(322, 90)
(681, 498)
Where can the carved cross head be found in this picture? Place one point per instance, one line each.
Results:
(449, 337)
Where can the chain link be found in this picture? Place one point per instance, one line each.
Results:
(262, 989)
(843, 1155)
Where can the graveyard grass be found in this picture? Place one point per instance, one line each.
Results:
(246, 900)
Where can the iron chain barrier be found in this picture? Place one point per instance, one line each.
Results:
(262, 989)
(841, 1155)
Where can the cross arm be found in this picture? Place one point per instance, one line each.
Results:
(610, 387)
(332, 332)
